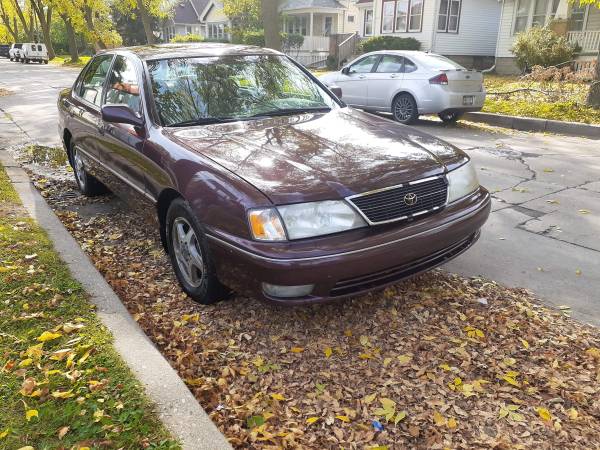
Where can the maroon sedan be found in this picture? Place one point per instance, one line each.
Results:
(260, 179)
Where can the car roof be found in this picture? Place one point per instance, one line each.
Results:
(162, 51)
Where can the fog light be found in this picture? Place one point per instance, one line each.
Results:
(275, 290)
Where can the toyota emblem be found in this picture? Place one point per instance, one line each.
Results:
(410, 199)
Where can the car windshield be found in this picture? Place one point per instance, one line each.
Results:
(201, 90)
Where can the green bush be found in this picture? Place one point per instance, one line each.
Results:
(332, 63)
(291, 41)
(183, 38)
(541, 47)
(389, 43)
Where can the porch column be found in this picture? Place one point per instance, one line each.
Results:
(310, 28)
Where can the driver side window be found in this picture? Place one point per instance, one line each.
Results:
(123, 87)
(92, 82)
(365, 65)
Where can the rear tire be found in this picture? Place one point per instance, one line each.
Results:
(45, 61)
(88, 184)
(190, 256)
(450, 117)
(12, 59)
(404, 109)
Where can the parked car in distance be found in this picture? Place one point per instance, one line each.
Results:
(15, 52)
(409, 84)
(34, 52)
(260, 179)
(4, 50)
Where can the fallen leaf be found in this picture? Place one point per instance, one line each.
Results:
(584, 211)
(328, 351)
(63, 431)
(31, 413)
(278, 397)
(544, 414)
(48, 336)
(297, 349)
(312, 420)
(343, 418)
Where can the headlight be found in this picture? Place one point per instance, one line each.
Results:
(319, 218)
(461, 182)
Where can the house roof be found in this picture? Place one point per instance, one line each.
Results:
(188, 11)
(291, 5)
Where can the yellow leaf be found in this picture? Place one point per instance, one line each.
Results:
(369, 398)
(365, 356)
(279, 397)
(29, 447)
(594, 352)
(404, 359)
(548, 170)
(348, 332)
(297, 349)
(584, 211)
(364, 341)
(98, 415)
(578, 272)
(445, 367)
(31, 413)
(35, 351)
(451, 423)
(379, 447)
(343, 418)
(400, 416)
(311, 420)
(26, 362)
(439, 420)
(48, 336)
(328, 351)
(544, 414)
(4, 433)
(525, 343)
(63, 394)
(573, 414)
(85, 356)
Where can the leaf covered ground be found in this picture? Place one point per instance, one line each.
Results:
(438, 361)
(62, 385)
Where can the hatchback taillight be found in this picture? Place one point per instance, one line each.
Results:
(442, 78)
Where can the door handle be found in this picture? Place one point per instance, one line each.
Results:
(362, 77)
(393, 75)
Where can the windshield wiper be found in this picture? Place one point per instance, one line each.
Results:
(204, 121)
(287, 111)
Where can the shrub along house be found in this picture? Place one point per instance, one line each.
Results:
(464, 30)
(201, 17)
(579, 24)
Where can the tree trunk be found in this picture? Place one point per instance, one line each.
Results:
(270, 20)
(146, 21)
(13, 30)
(27, 28)
(71, 39)
(593, 97)
(45, 21)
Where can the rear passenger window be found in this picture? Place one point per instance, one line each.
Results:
(390, 64)
(93, 79)
(39, 48)
(123, 87)
(409, 66)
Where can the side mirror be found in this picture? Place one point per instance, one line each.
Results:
(337, 91)
(346, 70)
(121, 114)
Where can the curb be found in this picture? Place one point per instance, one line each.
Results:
(176, 407)
(538, 125)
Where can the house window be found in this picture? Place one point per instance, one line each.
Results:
(297, 25)
(328, 25)
(188, 30)
(401, 16)
(368, 31)
(449, 16)
(350, 19)
(216, 31)
(522, 18)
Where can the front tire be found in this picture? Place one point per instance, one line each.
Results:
(404, 109)
(450, 117)
(190, 255)
(88, 184)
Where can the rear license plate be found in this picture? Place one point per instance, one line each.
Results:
(468, 100)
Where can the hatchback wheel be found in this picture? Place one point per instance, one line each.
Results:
(88, 184)
(404, 109)
(190, 256)
(450, 117)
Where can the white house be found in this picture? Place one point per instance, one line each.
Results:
(329, 27)
(579, 24)
(464, 30)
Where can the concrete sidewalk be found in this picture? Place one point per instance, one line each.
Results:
(175, 404)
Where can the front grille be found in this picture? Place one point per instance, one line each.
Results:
(389, 205)
(397, 273)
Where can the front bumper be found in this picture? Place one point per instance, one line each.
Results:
(352, 263)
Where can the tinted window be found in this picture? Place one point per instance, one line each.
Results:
(365, 65)
(39, 48)
(231, 87)
(409, 66)
(123, 86)
(441, 63)
(390, 64)
(93, 79)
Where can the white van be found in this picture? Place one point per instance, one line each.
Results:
(15, 52)
(34, 52)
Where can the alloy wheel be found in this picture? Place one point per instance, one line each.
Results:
(79, 169)
(188, 253)
(403, 109)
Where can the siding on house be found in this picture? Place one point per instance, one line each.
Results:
(505, 36)
(593, 23)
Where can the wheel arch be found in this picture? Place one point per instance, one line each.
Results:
(164, 200)
(67, 138)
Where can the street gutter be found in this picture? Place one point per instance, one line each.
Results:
(176, 406)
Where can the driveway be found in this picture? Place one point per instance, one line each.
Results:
(543, 233)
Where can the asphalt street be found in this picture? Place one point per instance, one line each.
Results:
(543, 233)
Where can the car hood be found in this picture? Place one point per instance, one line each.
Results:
(310, 157)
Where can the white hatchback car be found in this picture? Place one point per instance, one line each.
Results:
(409, 84)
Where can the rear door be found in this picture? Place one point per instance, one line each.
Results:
(385, 81)
(354, 85)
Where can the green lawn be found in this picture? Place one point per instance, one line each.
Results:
(558, 101)
(65, 60)
(62, 384)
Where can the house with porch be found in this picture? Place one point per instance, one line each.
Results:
(579, 24)
(464, 30)
(329, 27)
(202, 17)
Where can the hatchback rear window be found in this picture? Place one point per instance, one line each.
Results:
(441, 63)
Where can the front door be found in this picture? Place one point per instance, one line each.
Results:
(385, 80)
(354, 84)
